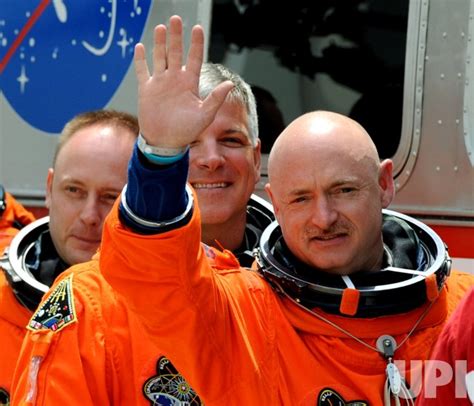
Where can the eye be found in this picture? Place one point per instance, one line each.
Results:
(232, 141)
(110, 198)
(74, 192)
(300, 199)
(345, 190)
(72, 189)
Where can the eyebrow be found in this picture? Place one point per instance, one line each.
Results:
(298, 192)
(69, 179)
(234, 130)
(345, 181)
(77, 182)
(241, 131)
(337, 183)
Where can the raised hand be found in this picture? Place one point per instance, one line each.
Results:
(170, 111)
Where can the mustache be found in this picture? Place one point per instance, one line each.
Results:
(333, 231)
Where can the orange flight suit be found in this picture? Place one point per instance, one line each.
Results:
(14, 212)
(13, 316)
(224, 329)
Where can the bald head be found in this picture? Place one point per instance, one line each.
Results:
(328, 188)
(320, 130)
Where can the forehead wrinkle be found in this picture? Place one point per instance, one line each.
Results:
(337, 182)
(84, 183)
(70, 178)
(299, 191)
(344, 181)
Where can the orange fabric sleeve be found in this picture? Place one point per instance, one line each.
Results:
(14, 212)
(168, 283)
(66, 367)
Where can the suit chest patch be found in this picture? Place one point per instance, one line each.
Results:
(57, 311)
(168, 387)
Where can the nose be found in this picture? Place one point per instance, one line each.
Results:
(90, 213)
(208, 155)
(324, 213)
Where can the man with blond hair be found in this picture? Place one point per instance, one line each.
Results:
(89, 170)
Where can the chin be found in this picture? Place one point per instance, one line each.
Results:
(214, 217)
(332, 267)
(82, 257)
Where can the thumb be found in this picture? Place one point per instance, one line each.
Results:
(216, 98)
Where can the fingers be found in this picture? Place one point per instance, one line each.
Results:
(175, 49)
(171, 56)
(217, 97)
(159, 50)
(141, 67)
(196, 51)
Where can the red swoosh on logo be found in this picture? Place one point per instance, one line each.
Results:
(23, 33)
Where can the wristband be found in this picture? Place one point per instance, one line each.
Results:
(157, 224)
(164, 160)
(147, 149)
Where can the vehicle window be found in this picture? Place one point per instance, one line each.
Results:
(343, 56)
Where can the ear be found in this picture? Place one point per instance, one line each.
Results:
(49, 187)
(257, 159)
(268, 189)
(386, 182)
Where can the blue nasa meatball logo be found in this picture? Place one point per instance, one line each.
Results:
(62, 57)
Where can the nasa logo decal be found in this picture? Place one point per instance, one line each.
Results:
(329, 397)
(59, 58)
(168, 387)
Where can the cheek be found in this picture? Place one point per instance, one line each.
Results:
(372, 227)
(356, 211)
(59, 226)
(60, 199)
(104, 210)
(364, 215)
(58, 206)
(290, 222)
(364, 230)
(66, 211)
(244, 163)
(192, 167)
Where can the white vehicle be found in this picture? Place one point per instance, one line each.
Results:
(403, 69)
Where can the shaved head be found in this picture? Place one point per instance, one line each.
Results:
(328, 188)
(321, 129)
